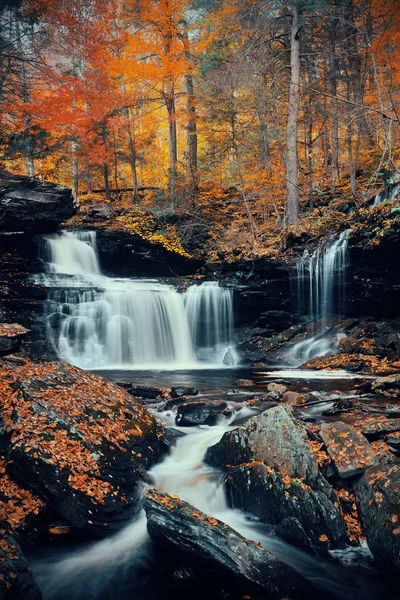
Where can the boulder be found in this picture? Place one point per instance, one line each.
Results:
(81, 443)
(378, 501)
(28, 204)
(293, 398)
(11, 336)
(273, 497)
(277, 387)
(376, 427)
(201, 413)
(16, 580)
(274, 438)
(348, 449)
(180, 526)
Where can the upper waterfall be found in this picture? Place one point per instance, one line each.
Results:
(101, 322)
(324, 271)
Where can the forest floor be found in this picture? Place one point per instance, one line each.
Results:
(215, 227)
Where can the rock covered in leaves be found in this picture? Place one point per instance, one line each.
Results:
(184, 528)
(274, 438)
(16, 580)
(18, 504)
(378, 500)
(11, 336)
(28, 204)
(348, 449)
(273, 497)
(78, 441)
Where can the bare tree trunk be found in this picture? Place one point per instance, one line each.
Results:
(75, 169)
(191, 142)
(335, 110)
(292, 203)
(106, 181)
(172, 140)
(28, 153)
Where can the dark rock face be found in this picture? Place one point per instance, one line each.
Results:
(180, 526)
(374, 274)
(378, 500)
(200, 413)
(274, 497)
(78, 441)
(21, 300)
(128, 255)
(348, 449)
(28, 204)
(16, 580)
(274, 438)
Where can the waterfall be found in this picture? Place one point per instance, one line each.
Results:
(209, 311)
(325, 272)
(101, 322)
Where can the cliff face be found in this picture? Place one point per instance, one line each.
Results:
(28, 204)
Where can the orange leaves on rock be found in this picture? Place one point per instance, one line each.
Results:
(323, 538)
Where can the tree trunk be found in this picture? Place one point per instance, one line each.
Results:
(106, 181)
(191, 142)
(75, 169)
(292, 205)
(28, 152)
(172, 140)
(333, 86)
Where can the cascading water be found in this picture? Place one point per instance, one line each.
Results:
(325, 272)
(101, 322)
(99, 570)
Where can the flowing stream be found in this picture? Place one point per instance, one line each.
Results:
(98, 322)
(98, 571)
(323, 272)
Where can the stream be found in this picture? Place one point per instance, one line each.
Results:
(148, 334)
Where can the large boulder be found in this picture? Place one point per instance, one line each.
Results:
(16, 580)
(274, 438)
(28, 204)
(349, 450)
(78, 441)
(274, 497)
(378, 500)
(206, 540)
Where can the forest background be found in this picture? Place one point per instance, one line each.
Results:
(214, 126)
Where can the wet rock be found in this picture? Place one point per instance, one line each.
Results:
(178, 392)
(275, 438)
(79, 442)
(11, 336)
(348, 449)
(272, 497)
(16, 579)
(182, 527)
(293, 398)
(146, 392)
(291, 530)
(347, 344)
(376, 427)
(191, 414)
(378, 500)
(277, 387)
(28, 204)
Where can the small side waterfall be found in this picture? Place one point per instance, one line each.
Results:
(101, 322)
(210, 315)
(324, 271)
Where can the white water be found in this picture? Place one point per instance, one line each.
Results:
(101, 322)
(324, 272)
(88, 572)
